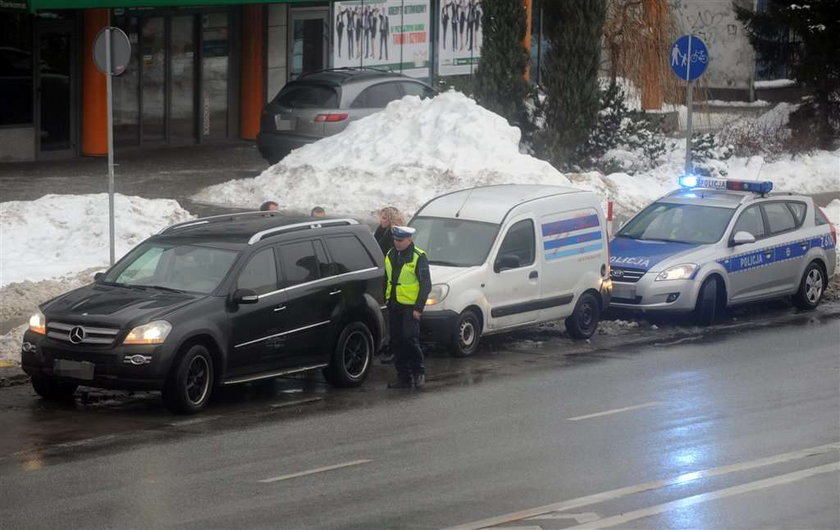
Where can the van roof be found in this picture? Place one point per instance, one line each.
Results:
(489, 204)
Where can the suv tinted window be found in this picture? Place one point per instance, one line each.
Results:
(377, 96)
(779, 217)
(308, 97)
(798, 209)
(750, 221)
(348, 255)
(300, 264)
(260, 274)
(416, 89)
(519, 242)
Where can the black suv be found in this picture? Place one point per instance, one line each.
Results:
(217, 301)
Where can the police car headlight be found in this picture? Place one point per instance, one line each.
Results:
(437, 294)
(680, 272)
(151, 333)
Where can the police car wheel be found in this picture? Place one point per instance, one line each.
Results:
(708, 303)
(810, 288)
(583, 322)
(353, 355)
(467, 335)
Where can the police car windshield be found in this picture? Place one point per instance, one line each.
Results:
(679, 223)
(454, 242)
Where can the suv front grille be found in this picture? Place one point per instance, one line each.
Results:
(619, 274)
(81, 334)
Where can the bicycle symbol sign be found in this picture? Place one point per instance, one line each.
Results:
(689, 57)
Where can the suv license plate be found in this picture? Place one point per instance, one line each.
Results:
(75, 369)
(283, 125)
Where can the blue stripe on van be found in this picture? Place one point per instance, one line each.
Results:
(570, 225)
(574, 251)
(573, 240)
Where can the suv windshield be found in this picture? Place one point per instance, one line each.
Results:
(173, 267)
(681, 223)
(454, 242)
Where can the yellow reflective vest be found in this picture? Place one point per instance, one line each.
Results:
(408, 285)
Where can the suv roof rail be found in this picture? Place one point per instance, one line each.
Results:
(346, 69)
(301, 226)
(214, 219)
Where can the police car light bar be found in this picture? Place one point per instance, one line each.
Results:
(755, 186)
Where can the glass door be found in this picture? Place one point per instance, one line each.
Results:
(308, 40)
(182, 78)
(153, 78)
(215, 65)
(55, 91)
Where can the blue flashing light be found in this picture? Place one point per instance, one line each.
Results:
(688, 181)
(754, 186)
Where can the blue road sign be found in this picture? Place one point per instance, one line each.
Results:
(689, 57)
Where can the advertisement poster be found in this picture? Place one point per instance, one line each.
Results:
(459, 42)
(385, 34)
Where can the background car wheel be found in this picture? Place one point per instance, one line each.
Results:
(52, 389)
(190, 384)
(583, 322)
(467, 335)
(811, 288)
(709, 304)
(352, 357)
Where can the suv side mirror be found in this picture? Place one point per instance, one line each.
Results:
(98, 276)
(742, 238)
(245, 296)
(506, 261)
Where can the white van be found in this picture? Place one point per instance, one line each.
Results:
(509, 256)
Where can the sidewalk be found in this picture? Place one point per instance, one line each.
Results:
(159, 173)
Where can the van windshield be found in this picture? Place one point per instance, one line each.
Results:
(454, 242)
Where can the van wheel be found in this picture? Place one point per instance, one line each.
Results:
(352, 357)
(811, 288)
(190, 384)
(583, 322)
(709, 303)
(51, 389)
(467, 335)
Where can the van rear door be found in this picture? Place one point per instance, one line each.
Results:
(513, 283)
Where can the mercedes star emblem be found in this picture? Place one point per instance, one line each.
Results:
(77, 335)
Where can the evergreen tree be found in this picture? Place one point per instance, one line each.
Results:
(570, 76)
(814, 60)
(500, 83)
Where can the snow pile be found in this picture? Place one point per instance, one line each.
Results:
(58, 235)
(408, 153)
(10, 344)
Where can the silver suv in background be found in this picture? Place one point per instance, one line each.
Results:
(323, 103)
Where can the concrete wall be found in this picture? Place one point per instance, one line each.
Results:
(17, 144)
(278, 20)
(732, 58)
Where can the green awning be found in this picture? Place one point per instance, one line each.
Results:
(39, 5)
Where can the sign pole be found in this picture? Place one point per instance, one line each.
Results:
(689, 105)
(108, 78)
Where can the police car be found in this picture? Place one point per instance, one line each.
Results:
(719, 242)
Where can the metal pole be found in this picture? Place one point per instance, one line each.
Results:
(689, 98)
(108, 76)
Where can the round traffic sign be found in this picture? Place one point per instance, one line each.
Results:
(120, 51)
(689, 57)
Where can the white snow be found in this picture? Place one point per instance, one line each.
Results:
(832, 210)
(58, 235)
(774, 83)
(408, 153)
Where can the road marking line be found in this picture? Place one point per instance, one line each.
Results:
(714, 495)
(614, 411)
(580, 518)
(313, 471)
(297, 402)
(647, 486)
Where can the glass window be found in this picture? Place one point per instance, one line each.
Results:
(779, 217)
(300, 265)
(377, 96)
(454, 242)
(519, 242)
(307, 96)
(798, 209)
(680, 223)
(416, 89)
(348, 255)
(750, 221)
(260, 274)
(15, 69)
(215, 64)
(126, 88)
(819, 217)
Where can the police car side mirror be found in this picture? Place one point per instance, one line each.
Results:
(506, 261)
(742, 238)
(245, 296)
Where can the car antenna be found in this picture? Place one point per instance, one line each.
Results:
(458, 213)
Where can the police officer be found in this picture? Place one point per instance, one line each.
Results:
(407, 285)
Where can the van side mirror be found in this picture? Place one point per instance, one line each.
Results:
(742, 238)
(98, 276)
(245, 296)
(506, 261)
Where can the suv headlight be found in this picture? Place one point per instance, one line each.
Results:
(437, 294)
(679, 272)
(38, 323)
(151, 333)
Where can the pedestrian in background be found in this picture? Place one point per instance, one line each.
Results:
(407, 286)
(269, 206)
(318, 212)
(389, 217)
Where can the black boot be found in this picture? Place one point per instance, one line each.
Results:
(386, 358)
(419, 380)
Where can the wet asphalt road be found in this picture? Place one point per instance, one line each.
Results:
(518, 427)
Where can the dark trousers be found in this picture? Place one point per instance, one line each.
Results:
(405, 341)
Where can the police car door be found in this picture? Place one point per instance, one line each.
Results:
(513, 284)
